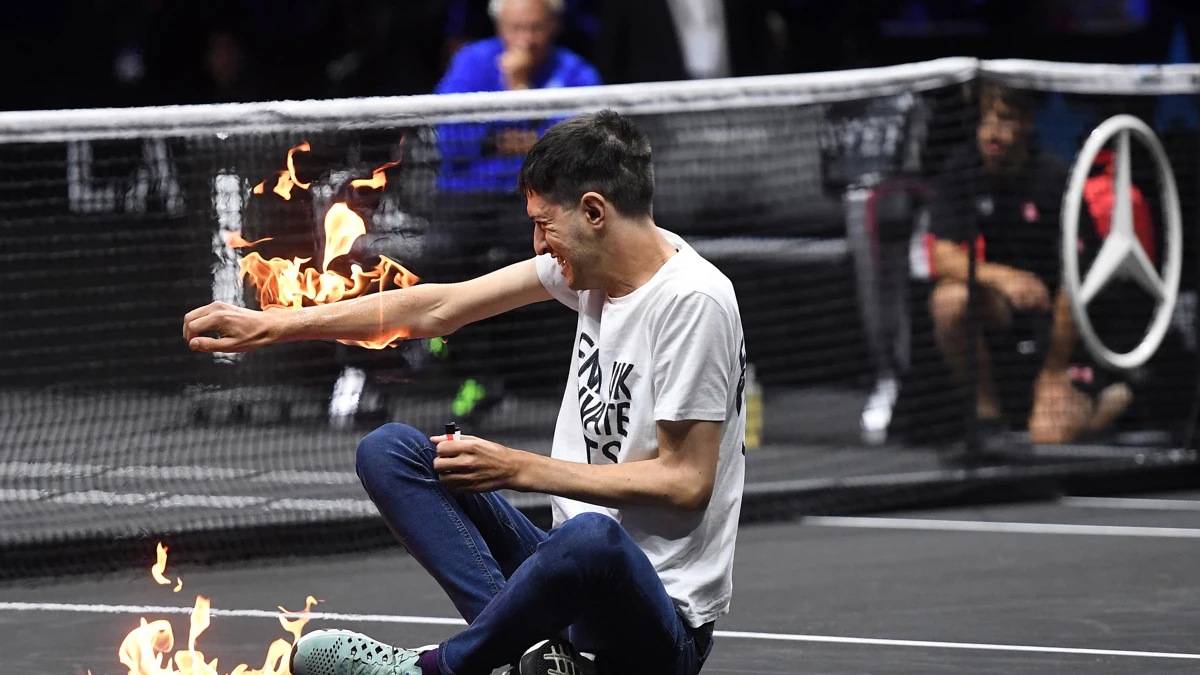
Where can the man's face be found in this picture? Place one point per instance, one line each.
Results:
(527, 25)
(564, 234)
(1001, 135)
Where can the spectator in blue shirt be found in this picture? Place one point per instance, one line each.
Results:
(486, 157)
(481, 223)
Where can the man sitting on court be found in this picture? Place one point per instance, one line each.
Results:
(648, 457)
(1022, 308)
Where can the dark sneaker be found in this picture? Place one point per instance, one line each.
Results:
(340, 652)
(998, 445)
(555, 657)
(995, 435)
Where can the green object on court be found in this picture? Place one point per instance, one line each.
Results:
(438, 347)
(469, 395)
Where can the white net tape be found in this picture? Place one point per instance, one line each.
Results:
(382, 112)
(648, 98)
(1095, 78)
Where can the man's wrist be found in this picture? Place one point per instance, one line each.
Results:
(282, 324)
(525, 466)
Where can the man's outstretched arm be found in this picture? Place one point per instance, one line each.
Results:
(425, 310)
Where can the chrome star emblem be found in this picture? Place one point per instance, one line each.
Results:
(1121, 256)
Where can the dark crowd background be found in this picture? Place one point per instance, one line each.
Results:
(99, 53)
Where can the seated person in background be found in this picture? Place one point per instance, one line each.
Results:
(1016, 207)
(478, 204)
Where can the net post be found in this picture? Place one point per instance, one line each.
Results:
(1189, 431)
(971, 323)
(971, 376)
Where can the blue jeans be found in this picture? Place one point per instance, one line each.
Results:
(515, 584)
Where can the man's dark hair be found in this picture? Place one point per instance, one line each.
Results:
(1020, 100)
(600, 152)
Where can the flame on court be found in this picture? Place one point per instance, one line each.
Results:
(294, 283)
(160, 565)
(146, 650)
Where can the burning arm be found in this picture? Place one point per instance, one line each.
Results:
(426, 310)
(404, 312)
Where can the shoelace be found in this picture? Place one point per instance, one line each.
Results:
(364, 663)
(367, 668)
(563, 663)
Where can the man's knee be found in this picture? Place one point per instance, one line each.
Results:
(389, 448)
(948, 304)
(593, 537)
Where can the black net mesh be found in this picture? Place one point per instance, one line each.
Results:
(819, 196)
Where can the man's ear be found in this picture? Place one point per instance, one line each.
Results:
(594, 208)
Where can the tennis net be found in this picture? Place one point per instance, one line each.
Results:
(814, 193)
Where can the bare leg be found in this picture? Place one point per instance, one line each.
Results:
(948, 306)
(1112, 402)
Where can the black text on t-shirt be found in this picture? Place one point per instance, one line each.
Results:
(605, 419)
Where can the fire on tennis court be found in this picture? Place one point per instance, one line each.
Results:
(146, 650)
(293, 283)
(160, 566)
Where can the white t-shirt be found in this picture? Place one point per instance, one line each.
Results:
(670, 350)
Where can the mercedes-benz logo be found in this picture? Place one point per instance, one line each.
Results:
(1121, 255)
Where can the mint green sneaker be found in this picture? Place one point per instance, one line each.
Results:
(341, 652)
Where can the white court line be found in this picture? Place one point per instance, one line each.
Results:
(443, 621)
(1013, 528)
(22, 494)
(48, 470)
(977, 646)
(161, 500)
(354, 506)
(1132, 503)
(104, 498)
(297, 477)
(210, 502)
(180, 472)
(175, 472)
(252, 613)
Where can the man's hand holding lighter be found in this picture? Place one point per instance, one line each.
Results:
(470, 464)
